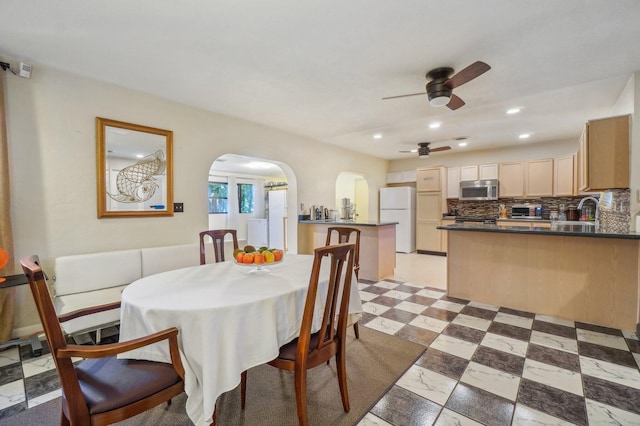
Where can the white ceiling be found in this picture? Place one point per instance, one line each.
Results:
(320, 68)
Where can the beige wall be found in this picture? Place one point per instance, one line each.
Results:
(51, 130)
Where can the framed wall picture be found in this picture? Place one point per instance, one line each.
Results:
(134, 168)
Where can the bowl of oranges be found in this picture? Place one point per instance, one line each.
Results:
(257, 258)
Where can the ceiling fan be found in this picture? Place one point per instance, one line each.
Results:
(424, 150)
(442, 82)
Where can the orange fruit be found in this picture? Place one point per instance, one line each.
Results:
(248, 258)
(278, 254)
(258, 258)
(239, 257)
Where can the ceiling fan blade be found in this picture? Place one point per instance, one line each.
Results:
(469, 73)
(409, 151)
(442, 148)
(455, 102)
(404, 96)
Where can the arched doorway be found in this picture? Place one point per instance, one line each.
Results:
(353, 186)
(234, 173)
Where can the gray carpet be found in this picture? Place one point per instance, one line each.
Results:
(374, 363)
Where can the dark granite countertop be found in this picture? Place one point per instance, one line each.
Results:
(564, 231)
(345, 223)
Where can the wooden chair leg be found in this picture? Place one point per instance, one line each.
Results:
(63, 419)
(356, 330)
(243, 389)
(342, 379)
(300, 379)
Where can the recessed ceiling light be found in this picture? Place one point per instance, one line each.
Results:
(524, 136)
(462, 144)
(435, 125)
(139, 155)
(377, 136)
(513, 110)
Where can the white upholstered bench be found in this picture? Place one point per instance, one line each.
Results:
(93, 279)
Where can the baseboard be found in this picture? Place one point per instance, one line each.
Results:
(28, 330)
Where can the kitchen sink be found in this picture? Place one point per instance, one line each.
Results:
(573, 226)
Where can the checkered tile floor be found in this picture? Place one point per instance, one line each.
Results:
(496, 366)
(483, 365)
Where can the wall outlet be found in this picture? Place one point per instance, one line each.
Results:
(178, 207)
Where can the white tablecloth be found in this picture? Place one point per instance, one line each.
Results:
(229, 320)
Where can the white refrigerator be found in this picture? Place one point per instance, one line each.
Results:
(398, 204)
(277, 215)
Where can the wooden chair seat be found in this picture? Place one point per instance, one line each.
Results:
(111, 383)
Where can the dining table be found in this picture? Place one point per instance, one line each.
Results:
(231, 317)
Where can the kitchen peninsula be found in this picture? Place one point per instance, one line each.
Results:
(576, 274)
(377, 244)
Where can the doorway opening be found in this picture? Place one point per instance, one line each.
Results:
(354, 187)
(239, 195)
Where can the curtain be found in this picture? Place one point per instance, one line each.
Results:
(233, 208)
(7, 296)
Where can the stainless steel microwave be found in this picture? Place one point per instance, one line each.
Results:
(479, 190)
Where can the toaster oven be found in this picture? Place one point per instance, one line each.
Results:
(526, 211)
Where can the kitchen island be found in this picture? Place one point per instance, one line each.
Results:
(377, 244)
(572, 273)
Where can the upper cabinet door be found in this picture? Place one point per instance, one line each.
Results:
(539, 178)
(453, 182)
(511, 179)
(563, 175)
(607, 154)
(429, 180)
(468, 173)
(488, 171)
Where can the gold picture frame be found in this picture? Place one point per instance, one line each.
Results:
(134, 168)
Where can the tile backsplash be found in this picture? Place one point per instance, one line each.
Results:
(614, 207)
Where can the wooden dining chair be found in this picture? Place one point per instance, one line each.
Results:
(344, 234)
(217, 238)
(102, 389)
(309, 349)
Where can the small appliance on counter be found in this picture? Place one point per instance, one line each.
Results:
(526, 211)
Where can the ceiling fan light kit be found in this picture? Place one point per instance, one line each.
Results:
(441, 83)
(423, 151)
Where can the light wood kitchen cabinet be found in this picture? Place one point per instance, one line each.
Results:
(453, 182)
(401, 177)
(429, 179)
(563, 175)
(488, 171)
(468, 173)
(539, 178)
(428, 217)
(482, 172)
(444, 239)
(511, 179)
(604, 154)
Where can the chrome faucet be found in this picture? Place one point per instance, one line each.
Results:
(597, 203)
